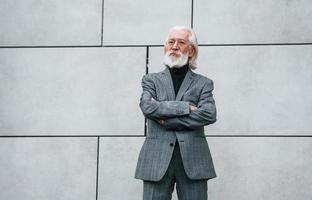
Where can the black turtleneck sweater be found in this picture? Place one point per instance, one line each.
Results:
(177, 75)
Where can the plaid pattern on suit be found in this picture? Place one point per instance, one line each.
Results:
(158, 101)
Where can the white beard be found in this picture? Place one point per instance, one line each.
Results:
(175, 62)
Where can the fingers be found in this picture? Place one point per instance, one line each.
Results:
(193, 108)
(161, 121)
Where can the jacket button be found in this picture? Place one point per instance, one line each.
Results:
(171, 144)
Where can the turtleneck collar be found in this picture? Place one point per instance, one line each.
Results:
(177, 75)
(178, 70)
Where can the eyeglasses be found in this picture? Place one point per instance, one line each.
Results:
(180, 42)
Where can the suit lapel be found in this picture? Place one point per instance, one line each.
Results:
(188, 79)
(168, 84)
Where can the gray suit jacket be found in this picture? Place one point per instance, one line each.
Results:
(158, 101)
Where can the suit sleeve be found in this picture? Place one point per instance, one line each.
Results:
(154, 109)
(204, 115)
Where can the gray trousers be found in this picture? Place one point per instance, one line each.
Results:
(187, 189)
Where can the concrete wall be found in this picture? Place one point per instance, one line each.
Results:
(70, 73)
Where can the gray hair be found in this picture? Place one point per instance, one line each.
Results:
(193, 40)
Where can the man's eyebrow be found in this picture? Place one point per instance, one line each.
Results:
(177, 39)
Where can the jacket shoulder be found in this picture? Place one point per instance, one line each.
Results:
(152, 76)
(203, 79)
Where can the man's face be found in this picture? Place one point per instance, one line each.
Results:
(178, 44)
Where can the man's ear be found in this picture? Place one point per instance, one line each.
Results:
(191, 52)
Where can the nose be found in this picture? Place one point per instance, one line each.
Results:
(175, 46)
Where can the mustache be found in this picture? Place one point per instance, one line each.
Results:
(169, 53)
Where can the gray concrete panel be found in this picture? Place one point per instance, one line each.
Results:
(71, 91)
(48, 168)
(258, 89)
(142, 22)
(247, 168)
(50, 22)
(261, 168)
(243, 21)
(118, 157)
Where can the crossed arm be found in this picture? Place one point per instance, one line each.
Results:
(178, 115)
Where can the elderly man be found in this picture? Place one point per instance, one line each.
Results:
(178, 103)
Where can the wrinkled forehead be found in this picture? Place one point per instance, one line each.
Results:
(179, 34)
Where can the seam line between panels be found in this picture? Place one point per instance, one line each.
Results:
(88, 136)
(102, 24)
(60, 136)
(146, 72)
(97, 168)
(192, 14)
(147, 59)
(156, 45)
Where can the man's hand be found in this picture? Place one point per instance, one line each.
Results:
(193, 108)
(161, 121)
